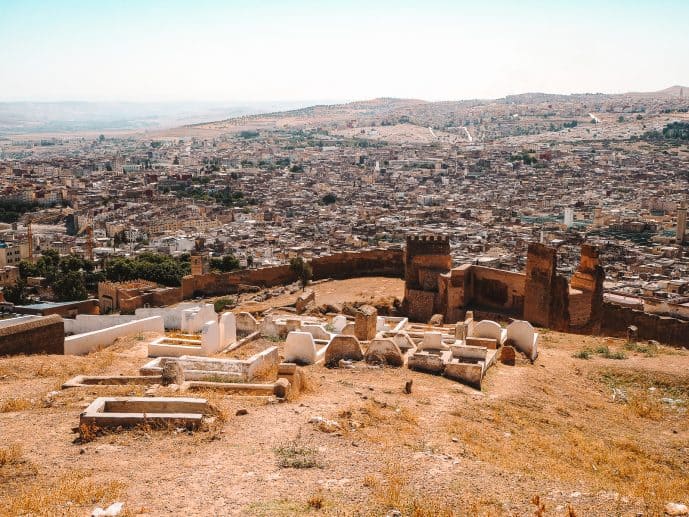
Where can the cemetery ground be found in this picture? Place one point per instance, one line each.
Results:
(593, 427)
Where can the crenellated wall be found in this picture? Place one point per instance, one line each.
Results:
(426, 258)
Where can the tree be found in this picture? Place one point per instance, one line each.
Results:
(155, 267)
(329, 198)
(70, 286)
(15, 294)
(302, 270)
(27, 269)
(225, 264)
(120, 238)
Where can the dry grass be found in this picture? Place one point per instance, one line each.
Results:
(379, 422)
(55, 366)
(396, 491)
(15, 404)
(70, 494)
(605, 447)
(316, 501)
(645, 405)
(10, 455)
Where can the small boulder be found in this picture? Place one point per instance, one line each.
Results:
(675, 509)
(508, 355)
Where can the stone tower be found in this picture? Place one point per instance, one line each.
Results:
(426, 257)
(199, 264)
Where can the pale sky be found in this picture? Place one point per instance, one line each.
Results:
(265, 50)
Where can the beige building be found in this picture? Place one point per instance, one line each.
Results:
(12, 254)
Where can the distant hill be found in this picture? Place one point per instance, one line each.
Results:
(18, 118)
(672, 91)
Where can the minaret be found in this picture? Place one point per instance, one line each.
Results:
(681, 223)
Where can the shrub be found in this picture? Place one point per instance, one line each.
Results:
(297, 455)
(584, 353)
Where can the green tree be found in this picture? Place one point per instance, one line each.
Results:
(155, 267)
(70, 286)
(302, 270)
(27, 269)
(225, 264)
(15, 294)
(329, 198)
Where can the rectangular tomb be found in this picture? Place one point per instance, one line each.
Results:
(130, 411)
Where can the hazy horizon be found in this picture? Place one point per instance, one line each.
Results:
(300, 51)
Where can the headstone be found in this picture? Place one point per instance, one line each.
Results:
(172, 373)
(436, 320)
(489, 329)
(305, 299)
(300, 348)
(365, 323)
(380, 323)
(317, 331)
(403, 341)
(342, 347)
(246, 323)
(522, 335)
(384, 351)
(432, 341)
(339, 323)
(210, 338)
(228, 329)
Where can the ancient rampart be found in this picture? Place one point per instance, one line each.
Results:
(671, 331)
(375, 262)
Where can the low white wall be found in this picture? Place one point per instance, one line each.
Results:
(172, 316)
(90, 323)
(81, 344)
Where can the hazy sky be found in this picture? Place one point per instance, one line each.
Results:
(212, 50)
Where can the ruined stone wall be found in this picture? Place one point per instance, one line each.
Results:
(212, 284)
(585, 305)
(164, 297)
(546, 294)
(541, 264)
(377, 262)
(671, 331)
(40, 336)
(156, 298)
(498, 290)
(351, 264)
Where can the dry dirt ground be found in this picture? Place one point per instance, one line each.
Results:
(563, 436)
